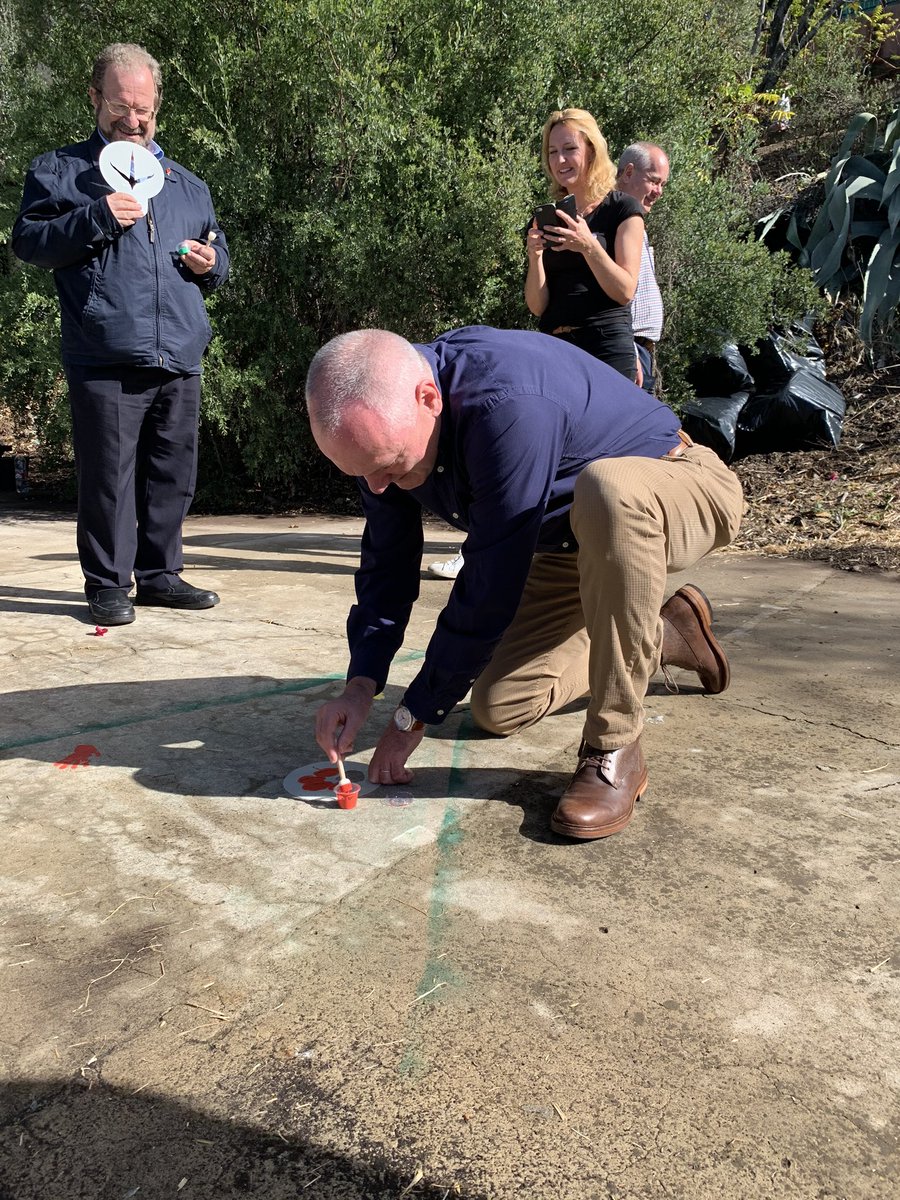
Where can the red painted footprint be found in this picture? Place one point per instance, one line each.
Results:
(80, 757)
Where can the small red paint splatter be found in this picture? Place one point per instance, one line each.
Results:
(80, 757)
(99, 632)
(320, 781)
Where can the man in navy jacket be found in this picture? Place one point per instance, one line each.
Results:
(131, 287)
(578, 494)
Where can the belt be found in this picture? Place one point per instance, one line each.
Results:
(678, 451)
(565, 329)
(646, 343)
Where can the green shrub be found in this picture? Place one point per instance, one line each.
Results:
(374, 165)
(720, 283)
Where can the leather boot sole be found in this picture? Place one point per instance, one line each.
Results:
(582, 833)
(702, 610)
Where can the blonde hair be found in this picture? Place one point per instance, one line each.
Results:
(601, 173)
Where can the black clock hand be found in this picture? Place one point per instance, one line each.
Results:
(129, 179)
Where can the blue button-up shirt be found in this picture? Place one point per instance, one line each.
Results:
(523, 414)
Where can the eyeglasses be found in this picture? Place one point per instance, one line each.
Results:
(122, 110)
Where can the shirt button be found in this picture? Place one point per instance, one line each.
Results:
(439, 470)
(440, 712)
(456, 516)
(565, 545)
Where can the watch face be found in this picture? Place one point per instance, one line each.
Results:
(403, 718)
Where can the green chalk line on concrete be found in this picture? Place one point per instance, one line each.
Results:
(194, 706)
(438, 972)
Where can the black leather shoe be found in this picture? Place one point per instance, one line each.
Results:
(178, 595)
(111, 606)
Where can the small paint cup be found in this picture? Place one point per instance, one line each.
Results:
(183, 249)
(346, 795)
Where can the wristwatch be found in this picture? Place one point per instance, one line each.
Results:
(405, 721)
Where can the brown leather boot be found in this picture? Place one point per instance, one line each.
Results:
(600, 799)
(688, 640)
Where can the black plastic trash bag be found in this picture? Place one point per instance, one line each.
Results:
(722, 374)
(713, 421)
(806, 413)
(775, 358)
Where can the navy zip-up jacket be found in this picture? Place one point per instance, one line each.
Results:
(125, 296)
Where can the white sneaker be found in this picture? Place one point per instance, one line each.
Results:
(448, 569)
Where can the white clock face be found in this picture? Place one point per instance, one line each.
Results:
(132, 169)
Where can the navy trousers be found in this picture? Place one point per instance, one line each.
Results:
(134, 431)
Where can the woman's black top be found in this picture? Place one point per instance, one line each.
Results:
(575, 296)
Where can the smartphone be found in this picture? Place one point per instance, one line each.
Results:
(568, 206)
(545, 215)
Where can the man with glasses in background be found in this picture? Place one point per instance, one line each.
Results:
(132, 280)
(643, 172)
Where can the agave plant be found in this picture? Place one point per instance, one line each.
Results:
(855, 237)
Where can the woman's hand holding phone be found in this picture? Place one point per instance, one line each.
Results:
(572, 233)
(534, 241)
(555, 222)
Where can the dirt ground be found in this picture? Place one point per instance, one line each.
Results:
(211, 990)
(840, 506)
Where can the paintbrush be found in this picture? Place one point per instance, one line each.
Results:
(346, 793)
(343, 774)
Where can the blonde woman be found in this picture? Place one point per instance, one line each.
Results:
(583, 270)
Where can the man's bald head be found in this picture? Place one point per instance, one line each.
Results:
(368, 369)
(374, 408)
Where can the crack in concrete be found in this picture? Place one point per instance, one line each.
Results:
(765, 712)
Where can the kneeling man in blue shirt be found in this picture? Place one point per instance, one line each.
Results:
(577, 492)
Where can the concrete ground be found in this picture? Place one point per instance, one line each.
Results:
(211, 989)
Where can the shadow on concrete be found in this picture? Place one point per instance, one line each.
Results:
(14, 508)
(74, 1142)
(44, 602)
(234, 737)
(288, 544)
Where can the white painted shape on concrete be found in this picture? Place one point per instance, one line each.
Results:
(418, 835)
(299, 783)
(770, 1017)
(493, 900)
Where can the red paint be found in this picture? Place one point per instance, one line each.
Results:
(80, 757)
(320, 781)
(98, 632)
(347, 794)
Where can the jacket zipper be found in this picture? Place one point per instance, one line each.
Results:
(151, 230)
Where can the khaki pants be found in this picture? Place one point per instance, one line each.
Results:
(589, 624)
